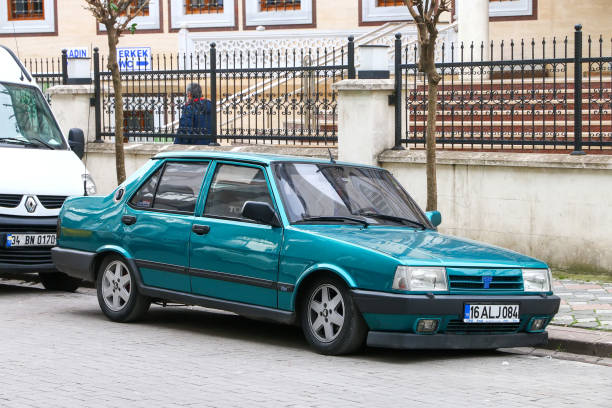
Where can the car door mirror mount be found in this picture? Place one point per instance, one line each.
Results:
(434, 217)
(260, 212)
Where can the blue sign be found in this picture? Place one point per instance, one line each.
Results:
(77, 52)
(134, 58)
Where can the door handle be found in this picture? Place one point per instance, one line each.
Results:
(200, 229)
(128, 219)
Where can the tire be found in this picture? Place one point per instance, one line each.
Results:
(331, 322)
(59, 281)
(117, 290)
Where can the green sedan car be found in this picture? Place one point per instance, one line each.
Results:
(340, 249)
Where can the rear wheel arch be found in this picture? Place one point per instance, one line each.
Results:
(101, 255)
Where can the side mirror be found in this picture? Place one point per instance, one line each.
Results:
(76, 140)
(434, 217)
(260, 212)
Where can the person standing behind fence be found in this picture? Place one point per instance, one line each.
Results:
(196, 118)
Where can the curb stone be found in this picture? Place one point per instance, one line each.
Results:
(597, 343)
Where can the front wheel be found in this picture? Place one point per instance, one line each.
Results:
(118, 294)
(59, 281)
(330, 320)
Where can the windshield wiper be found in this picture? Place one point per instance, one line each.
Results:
(26, 142)
(43, 143)
(392, 218)
(335, 218)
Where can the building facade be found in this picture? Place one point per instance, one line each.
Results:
(41, 28)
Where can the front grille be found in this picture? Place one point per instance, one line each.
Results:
(25, 256)
(10, 200)
(51, 202)
(467, 282)
(459, 327)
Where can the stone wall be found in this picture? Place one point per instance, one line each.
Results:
(555, 207)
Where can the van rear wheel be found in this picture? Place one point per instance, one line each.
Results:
(59, 281)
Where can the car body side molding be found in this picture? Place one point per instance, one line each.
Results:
(243, 309)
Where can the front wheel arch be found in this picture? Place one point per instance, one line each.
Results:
(304, 282)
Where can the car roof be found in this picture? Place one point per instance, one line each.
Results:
(260, 158)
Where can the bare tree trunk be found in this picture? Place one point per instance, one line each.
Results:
(430, 143)
(114, 69)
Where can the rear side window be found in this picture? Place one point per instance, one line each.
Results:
(180, 186)
(144, 196)
(231, 187)
(177, 190)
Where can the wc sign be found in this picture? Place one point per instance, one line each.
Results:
(134, 58)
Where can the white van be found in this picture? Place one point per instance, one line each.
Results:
(39, 168)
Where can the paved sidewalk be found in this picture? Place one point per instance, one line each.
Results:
(585, 305)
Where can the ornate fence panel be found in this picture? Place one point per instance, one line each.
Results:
(276, 96)
(529, 96)
(46, 71)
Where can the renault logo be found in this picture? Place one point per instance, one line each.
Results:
(30, 204)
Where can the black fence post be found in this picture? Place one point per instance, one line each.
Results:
(351, 57)
(578, 91)
(64, 67)
(213, 92)
(96, 101)
(398, 92)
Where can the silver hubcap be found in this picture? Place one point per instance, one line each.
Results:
(116, 286)
(326, 313)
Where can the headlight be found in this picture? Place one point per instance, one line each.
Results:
(417, 278)
(536, 280)
(88, 184)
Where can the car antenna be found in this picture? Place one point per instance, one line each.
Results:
(331, 156)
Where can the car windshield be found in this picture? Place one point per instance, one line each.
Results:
(320, 192)
(25, 119)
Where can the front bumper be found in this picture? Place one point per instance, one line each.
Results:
(26, 259)
(392, 303)
(392, 320)
(454, 341)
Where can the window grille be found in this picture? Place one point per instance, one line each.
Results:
(26, 10)
(279, 5)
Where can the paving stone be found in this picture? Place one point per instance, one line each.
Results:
(58, 350)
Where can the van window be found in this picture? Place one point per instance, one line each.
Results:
(25, 119)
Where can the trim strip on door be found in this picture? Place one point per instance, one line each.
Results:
(202, 273)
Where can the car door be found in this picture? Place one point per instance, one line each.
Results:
(234, 258)
(158, 220)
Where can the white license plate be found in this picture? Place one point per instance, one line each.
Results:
(491, 314)
(29, 240)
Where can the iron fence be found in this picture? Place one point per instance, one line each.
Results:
(46, 71)
(523, 96)
(256, 97)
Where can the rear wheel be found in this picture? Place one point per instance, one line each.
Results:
(59, 281)
(118, 294)
(330, 320)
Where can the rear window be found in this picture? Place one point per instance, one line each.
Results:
(173, 187)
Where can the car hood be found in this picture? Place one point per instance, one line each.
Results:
(427, 247)
(41, 171)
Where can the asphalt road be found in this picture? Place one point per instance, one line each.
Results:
(58, 350)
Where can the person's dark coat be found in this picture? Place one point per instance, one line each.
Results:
(195, 120)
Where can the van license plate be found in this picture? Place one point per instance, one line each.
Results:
(29, 240)
(491, 314)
